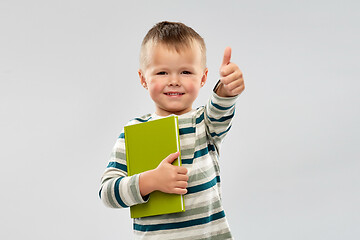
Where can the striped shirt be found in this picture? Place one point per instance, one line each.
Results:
(201, 133)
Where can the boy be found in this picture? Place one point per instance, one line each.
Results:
(173, 69)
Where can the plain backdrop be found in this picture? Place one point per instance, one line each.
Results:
(68, 83)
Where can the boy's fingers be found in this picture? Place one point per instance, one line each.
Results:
(235, 84)
(182, 177)
(227, 56)
(181, 184)
(180, 191)
(227, 70)
(182, 170)
(171, 158)
(232, 76)
(238, 90)
(230, 69)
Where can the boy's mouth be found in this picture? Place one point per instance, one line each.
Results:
(173, 93)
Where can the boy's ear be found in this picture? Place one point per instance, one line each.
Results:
(142, 79)
(204, 77)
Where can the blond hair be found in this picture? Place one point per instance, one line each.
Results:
(174, 35)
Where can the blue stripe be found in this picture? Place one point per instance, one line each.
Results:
(122, 135)
(197, 154)
(211, 147)
(199, 119)
(100, 193)
(220, 107)
(142, 120)
(117, 165)
(222, 119)
(117, 194)
(178, 225)
(219, 134)
(203, 186)
(201, 153)
(186, 130)
(187, 161)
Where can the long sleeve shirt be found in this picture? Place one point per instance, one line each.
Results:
(201, 133)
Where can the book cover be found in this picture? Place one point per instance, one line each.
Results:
(147, 144)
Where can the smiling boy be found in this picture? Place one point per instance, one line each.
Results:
(173, 69)
(173, 78)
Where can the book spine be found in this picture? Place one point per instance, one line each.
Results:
(177, 139)
(179, 158)
(127, 153)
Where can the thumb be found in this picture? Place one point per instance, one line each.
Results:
(171, 158)
(227, 56)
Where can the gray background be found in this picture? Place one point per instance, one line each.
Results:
(68, 83)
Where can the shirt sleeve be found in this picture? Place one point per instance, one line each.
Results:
(219, 113)
(118, 190)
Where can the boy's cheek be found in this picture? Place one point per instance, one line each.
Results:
(155, 91)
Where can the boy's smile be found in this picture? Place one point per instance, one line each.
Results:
(173, 78)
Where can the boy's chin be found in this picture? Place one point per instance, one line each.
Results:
(169, 111)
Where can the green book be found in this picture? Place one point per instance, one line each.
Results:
(147, 144)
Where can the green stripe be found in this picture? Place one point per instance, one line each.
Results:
(178, 225)
(133, 189)
(200, 141)
(188, 151)
(198, 209)
(196, 177)
(109, 191)
(222, 236)
(219, 235)
(185, 120)
(120, 155)
(221, 125)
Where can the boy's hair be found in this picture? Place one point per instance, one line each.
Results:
(174, 35)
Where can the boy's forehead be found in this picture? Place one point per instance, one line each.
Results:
(151, 48)
(179, 48)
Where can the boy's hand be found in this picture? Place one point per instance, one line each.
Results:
(165, 178)
(170, 178)
(232, 82)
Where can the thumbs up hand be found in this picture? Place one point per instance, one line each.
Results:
(231, 78)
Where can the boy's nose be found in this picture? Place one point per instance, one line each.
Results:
(174, 81)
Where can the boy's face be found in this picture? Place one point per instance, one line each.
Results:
(173, 79)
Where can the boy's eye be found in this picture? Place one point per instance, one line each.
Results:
(186, 72)
(161, 73)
